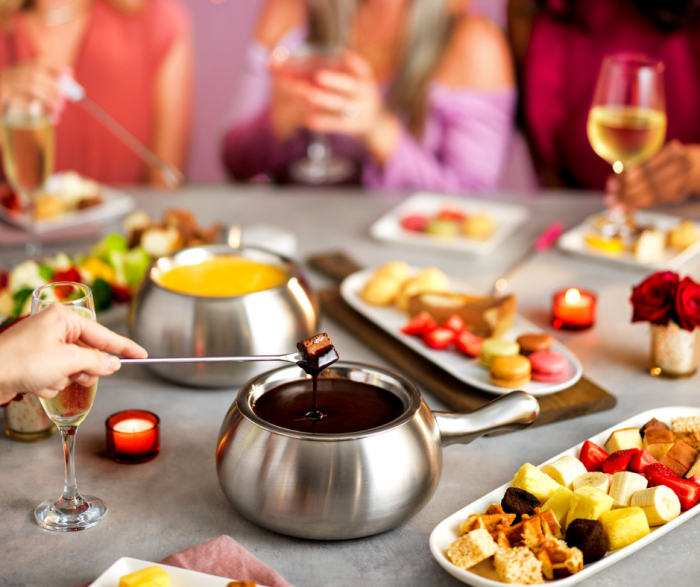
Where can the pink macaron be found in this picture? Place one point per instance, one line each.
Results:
(548, 367)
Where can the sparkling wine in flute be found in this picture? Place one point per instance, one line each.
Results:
(28, 151)
(626, 135)
(71, 405)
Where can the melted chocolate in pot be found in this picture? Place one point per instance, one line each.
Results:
(346, 406)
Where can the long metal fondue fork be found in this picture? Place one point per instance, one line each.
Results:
(292, 358)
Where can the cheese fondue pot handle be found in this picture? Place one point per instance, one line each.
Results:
(514, 411)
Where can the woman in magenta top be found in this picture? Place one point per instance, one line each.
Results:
(134, 59)
(559, 46)
(431, 91)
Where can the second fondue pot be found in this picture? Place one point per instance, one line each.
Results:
(341, 486)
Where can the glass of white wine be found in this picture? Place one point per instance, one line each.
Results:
(627, 120)
(28, 147)
(72, 511)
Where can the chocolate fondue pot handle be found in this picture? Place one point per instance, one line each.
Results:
(514, 411)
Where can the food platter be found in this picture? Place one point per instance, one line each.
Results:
(506, 217)
(178, 577)
(466, 369)
(447, 531)
(574, 241)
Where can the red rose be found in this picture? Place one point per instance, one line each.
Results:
(653, 300)
(688, 304)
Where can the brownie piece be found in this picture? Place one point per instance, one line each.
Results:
(317, 353)
(518, 501)
(653, 424)
(589, 537)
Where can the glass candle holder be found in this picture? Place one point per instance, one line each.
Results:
(26, 420)
(574, 309)
(674, 351)
(133, 436)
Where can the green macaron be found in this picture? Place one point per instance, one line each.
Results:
(495, 347)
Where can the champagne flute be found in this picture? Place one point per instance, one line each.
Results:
(68, 409)
(627, 120)
(28, 145)
(319, 165)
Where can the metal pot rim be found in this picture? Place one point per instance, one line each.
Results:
(249, 389)
(224, 249)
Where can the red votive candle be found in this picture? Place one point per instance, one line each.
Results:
(573, 308)
(133, 436)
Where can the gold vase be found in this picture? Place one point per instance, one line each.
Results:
(674, 351)
(27, 421)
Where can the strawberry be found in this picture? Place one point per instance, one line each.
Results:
(455, 324)
(688, 492)
(439, 338)
(414, 222)
(592, 456)
(469, 344)
(695, 479)
(618, 461)
(658, 468)
(4, 279)
(120, 293)
(640, 461)
(70, 274)
(420, 324)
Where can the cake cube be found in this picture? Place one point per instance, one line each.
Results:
(656, 436)
(623, 439)
(471, 549)
(658, 451)
(680, 458)
(518, 565)
(624, 526)
(695, 469)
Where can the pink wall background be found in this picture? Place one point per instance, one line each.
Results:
(222, 30)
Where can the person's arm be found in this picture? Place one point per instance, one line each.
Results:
(45, 352)
(173, 107)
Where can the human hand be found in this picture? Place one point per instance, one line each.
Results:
(32, 79)
(47, 351)
(670, 176)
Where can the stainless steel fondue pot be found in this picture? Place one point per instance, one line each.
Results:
(341, 486)
(269, 322)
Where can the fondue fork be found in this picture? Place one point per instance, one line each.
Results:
(291, 358)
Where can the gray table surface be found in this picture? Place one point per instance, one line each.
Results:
(175, 502)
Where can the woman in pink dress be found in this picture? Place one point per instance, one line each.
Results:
(559, 46)
(425, 100)
(134, 59)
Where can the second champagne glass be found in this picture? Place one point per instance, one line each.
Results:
(627, 120)
(72, 511)
(28, 145)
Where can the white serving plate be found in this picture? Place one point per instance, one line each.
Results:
(574, 241)
(447, 531)
(507, 217)
(178, 577)
(115, 204)
(466, 369)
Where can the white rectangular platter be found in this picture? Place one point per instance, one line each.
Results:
(464, 368)
(178, 577)
(574, 241)
(507, 217)
(447, 531)
(115, 204)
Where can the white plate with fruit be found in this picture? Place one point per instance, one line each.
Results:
(659, 241)
(466, 225)
(497, 316)
(610, 504)
(176, 577)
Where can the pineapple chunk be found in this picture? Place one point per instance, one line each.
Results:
(588, 503)
(148, 577)
(658, 451)
(623, 439)
(624, 526)
(559, 503)
(531, 479)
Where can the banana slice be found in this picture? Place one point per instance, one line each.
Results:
(565, 470)
(660, 504)
(596, 480)
(624, 484)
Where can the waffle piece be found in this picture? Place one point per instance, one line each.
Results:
(471, 549)
(558, 560)
(518, 565)
(489, 521)
(533, 530)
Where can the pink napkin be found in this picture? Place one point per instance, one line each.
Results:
(224, 557)
(12, 235)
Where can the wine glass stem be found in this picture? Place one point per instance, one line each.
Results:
(319, 147)
(71, 498)
(33, 248)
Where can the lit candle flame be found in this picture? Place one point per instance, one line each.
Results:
(572, 296)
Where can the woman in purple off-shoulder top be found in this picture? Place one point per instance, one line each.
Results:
(429, 90)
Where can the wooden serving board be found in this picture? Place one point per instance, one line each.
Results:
(585, 397)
